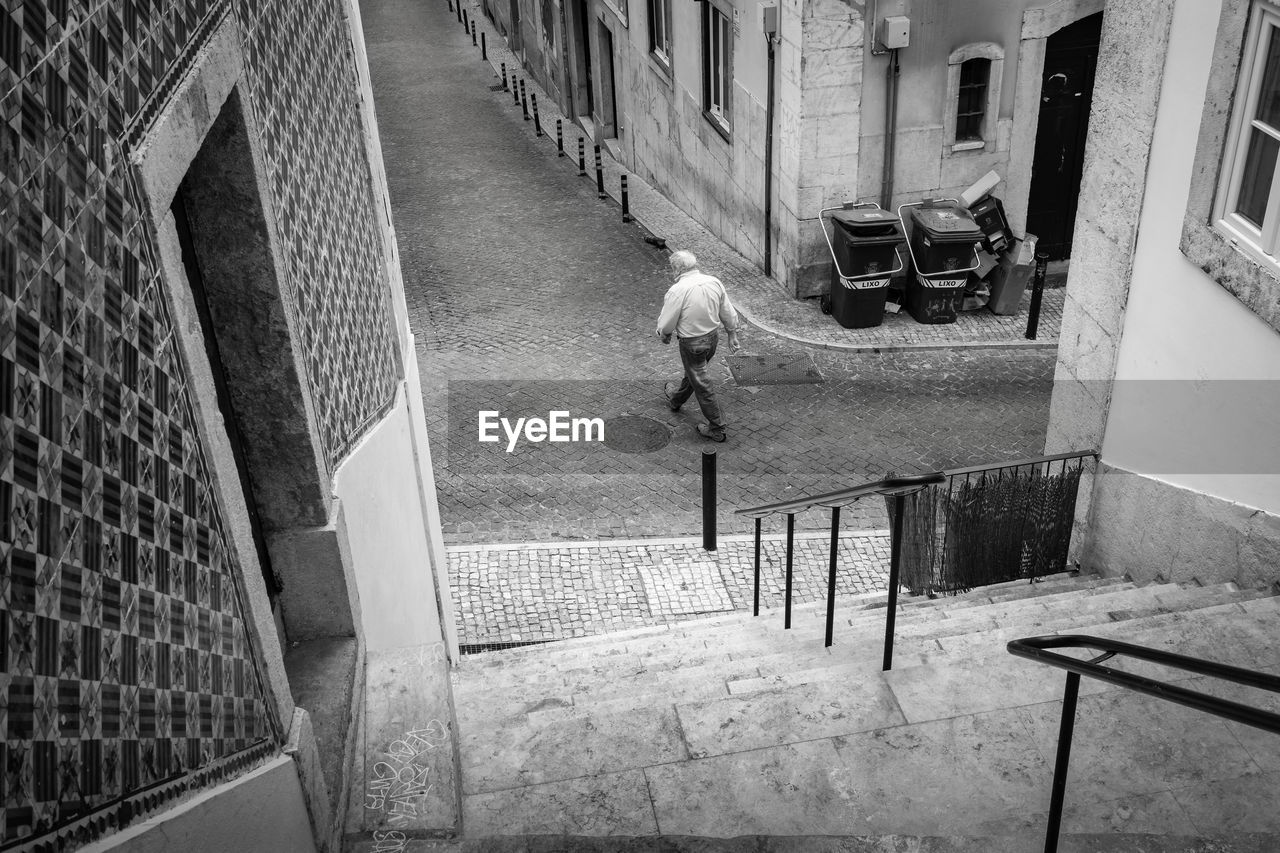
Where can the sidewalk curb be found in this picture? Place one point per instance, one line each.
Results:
(551, 112)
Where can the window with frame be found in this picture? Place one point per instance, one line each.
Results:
(1248, 205)
(717, 64)
(971, 99)
(660, 31)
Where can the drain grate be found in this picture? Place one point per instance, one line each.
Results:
(635, 434)
(497, 87)
(498, 645)
(783, 368)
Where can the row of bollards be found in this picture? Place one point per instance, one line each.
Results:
(528, 103)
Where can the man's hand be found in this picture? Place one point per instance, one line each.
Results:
(735, 342)
(666, 339)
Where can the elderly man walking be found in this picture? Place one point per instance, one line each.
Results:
(694, 309)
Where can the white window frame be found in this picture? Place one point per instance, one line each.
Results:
(660, 32)
(991, 117)
(1261, 243)
(717, 65)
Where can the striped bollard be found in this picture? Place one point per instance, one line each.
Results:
(524, 100)
(504, 77)
(582, 157)
(484, 48)
(626, 208)
(537, 123)
(600, 193)
(473, 33)
(559, 138)
(515, 90)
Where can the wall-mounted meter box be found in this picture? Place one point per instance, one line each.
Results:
(769, 17)
(896, 32)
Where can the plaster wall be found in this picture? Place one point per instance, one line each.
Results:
(387, 529)
(1204, 431)
(262, 810)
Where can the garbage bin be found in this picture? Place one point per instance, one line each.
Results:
(943, 247)
(865, 254)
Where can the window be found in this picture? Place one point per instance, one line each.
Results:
(971, 103)
(974, 72)
(1249, 198)
(717, 33)
(660, 31)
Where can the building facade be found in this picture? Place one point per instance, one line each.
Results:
(205, 369)
(680, 93)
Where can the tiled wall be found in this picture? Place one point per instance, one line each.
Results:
(124, 656)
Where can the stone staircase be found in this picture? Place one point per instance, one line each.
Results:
(733, 734)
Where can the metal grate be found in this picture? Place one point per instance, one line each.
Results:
(784, 368)
(498, 645)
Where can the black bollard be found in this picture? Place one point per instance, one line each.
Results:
(457, 10)
(559, 138)
(473, 33)
(504, 77)
(515, 90)
(709, 500)
(626, 208)
(600, 193)
(582, 157)
(466, 25)
(537, 123)
(484, 49)
(524, 100)
(450, 5)
(1037, 293)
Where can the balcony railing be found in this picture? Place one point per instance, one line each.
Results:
(951, 530)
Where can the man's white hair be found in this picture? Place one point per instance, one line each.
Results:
(682, 262)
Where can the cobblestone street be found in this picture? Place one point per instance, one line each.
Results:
(516, 271)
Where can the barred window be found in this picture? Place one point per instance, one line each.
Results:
(971, 101)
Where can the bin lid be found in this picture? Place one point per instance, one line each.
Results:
(947, 224)
(868, 222)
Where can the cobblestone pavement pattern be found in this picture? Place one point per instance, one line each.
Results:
(551, 591)
(515, 270)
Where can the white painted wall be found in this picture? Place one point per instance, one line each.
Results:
(379, 489)
(262, 810)
(1180, 325)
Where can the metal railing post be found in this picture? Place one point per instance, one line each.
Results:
(895, 556)
(709, 500)
(791, 531)
(831, 576)
(1065, 732)
(755, 606)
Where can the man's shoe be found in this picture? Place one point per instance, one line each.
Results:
(668, 393)
(704, 430)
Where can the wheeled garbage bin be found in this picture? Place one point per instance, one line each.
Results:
(943, 248)
(864, 245)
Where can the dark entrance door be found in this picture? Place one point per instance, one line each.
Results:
(1066, 93)
(586, 96)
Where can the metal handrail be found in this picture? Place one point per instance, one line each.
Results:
(895, 487)
(1038, 649)
(977, 262)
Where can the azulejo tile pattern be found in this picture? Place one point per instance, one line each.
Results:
(125, 660)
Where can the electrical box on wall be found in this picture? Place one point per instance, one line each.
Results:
(769, 17)
(895, 32)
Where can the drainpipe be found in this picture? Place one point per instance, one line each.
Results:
(768, 167)
(890, 129)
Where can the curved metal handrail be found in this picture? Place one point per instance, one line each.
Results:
(844, 497)
(1038, 649)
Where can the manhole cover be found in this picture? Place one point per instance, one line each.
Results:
(783, 368)
(635, 434)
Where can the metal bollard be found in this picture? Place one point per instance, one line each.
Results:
(537, 123)
(559, 138)
(1037, 293)
(484, 49)
(582, 157)
(450, 5)
(600, 193)
(466, 25)
(457, 10)
(473, 33)
(709, 500)
(524, 100)
(515, 90)
(626, 208)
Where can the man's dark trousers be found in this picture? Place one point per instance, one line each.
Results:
(696, 354)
